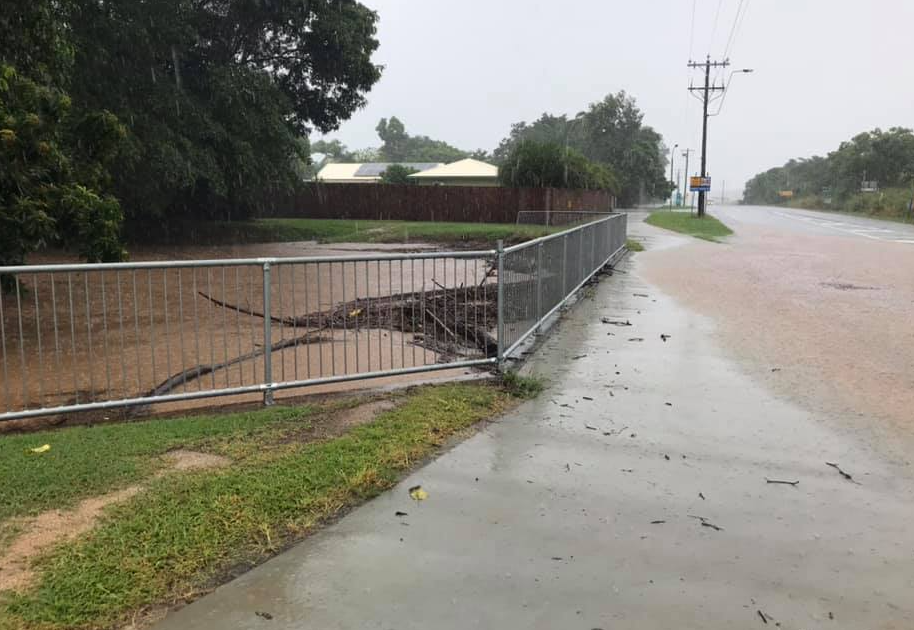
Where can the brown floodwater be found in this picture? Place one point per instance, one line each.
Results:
(79, 337)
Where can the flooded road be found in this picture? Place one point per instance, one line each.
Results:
(822, 316)
(633, 493)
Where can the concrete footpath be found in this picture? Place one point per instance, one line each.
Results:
(631, 494)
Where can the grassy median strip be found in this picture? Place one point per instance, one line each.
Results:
(707, 227)
(352, 231)
(187, 531)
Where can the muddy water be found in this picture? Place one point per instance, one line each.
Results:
(78, 337)
(822, 319)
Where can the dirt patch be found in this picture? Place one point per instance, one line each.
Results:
(363, 413)
(57, 526)
(184, 460)
(51, 528)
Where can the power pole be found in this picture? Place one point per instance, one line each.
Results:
(723, 188)
(705, 99)
(685, 180)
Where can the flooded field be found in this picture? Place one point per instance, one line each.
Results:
(77, 337)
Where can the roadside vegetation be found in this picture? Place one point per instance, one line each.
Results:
(183, 531)
(869, 174)
(355, 231)
(707, 227)
(634, 246)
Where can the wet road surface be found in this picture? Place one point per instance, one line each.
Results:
(815, 222)
(631, 494)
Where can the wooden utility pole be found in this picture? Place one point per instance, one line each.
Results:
(705, 92)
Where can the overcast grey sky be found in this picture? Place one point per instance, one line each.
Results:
(464, 71)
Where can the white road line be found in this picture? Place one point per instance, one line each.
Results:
(856, 230)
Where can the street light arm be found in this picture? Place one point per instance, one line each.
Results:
(727, 88)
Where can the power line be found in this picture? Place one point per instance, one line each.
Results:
(735, 35)
(736, 21)
(714, 28)
(692, 29)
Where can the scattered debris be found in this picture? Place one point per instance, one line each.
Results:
(399, 513)
(781, 481)
(567, 468)
(640, 295)
(668, 404)
(665, 336)
(763, 616)
(615, 322)
(557, 558)
(417, 493)
(657, 522)
(775, 369)
(706, 523)
(587, 426)
(831, 615)
(701, 496)
(44, 448)
(844, 474)
(263, 614)
(636, 339)
(580, 356)
(633, 435)
(586, 397)
(666, 457)
(627, 470)
(566, 405)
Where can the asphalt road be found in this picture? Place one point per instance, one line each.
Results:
(633, 492)
(816, 222)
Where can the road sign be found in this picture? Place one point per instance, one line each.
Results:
(700, 184)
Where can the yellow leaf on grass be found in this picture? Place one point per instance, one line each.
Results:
(418, 494)
(42, 449)
(355, 313)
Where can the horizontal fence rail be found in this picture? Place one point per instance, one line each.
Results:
(82, 337)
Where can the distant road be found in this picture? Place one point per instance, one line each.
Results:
(815, 222)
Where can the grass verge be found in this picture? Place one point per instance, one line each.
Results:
(707, 227)
(634, 246)
(188, 531)
(351, 231)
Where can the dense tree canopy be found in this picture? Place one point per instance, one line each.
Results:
(399, 146)
(547, 164)
(398, 174)
(208, 101)
(886, 157)
(609, 132)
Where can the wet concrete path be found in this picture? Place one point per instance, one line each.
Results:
(580, 509)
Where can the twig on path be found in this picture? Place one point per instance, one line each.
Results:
(786, 483)
(762, 615)
(843, 473)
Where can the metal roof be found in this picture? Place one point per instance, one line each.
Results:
(462, 168)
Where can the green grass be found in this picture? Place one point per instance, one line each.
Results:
(634, 246)
(87, 461)
(522, 386)
(351, 231)
(187, 530)
(707, 228)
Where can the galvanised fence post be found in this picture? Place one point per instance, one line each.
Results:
(267, 338)
(500, 305)
(564, 263)
(539, 281)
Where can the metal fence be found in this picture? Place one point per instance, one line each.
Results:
(87, 337)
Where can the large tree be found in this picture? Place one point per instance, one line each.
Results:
(216, 94)
(54, 180)
(399, 146)
(547, 164)
(609, 132)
